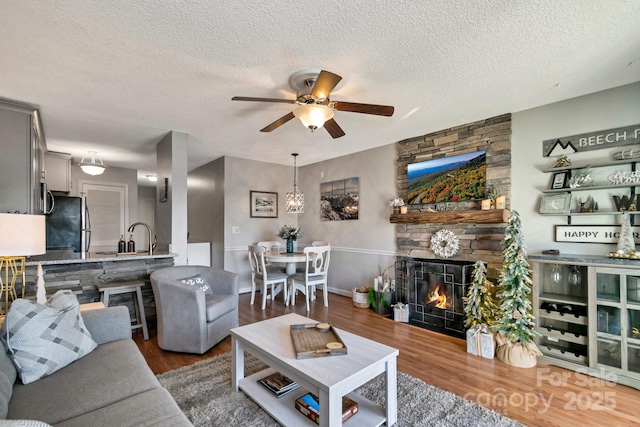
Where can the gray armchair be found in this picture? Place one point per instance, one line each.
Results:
(188, 320)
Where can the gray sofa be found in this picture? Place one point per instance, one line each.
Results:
(111, 386)
(189, 320)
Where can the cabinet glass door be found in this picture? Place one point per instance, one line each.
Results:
(610, 352)
(608, 287)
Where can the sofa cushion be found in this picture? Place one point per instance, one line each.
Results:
(23, 423)
(112, 372)
(199, 282)
(217, 305)
(153, 408)
(40, 339)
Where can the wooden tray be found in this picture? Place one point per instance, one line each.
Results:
(310, 342)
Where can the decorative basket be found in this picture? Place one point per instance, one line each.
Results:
(360, 299)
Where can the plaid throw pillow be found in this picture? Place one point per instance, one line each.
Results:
(41, 339)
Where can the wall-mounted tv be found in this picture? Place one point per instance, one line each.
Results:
(449, 179)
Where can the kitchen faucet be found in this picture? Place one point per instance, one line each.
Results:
(152, 244)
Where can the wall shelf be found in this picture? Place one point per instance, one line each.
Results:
(452, 217)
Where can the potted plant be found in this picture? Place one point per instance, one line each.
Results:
(380, 294)
(290, 234)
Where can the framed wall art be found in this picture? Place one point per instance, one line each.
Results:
(263, 204)
(560, 180)
(556, 204)
(339, 199)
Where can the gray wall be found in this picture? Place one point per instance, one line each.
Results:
(358, 247)
(242, 176)
(206, 208)
(599, 111)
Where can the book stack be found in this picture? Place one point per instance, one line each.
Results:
(309, 405)
(278, 384)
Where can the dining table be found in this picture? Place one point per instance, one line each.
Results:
(290, 259)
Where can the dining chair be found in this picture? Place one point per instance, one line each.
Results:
(316, 272)
(272, 267)
(261, 275)
(319, 243)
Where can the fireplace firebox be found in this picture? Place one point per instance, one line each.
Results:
(434, 291)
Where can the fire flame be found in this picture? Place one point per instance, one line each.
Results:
(439, 298)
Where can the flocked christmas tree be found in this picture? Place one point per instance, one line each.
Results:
(479, 306)
(515, 318)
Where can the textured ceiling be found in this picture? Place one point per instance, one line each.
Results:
(116, 76)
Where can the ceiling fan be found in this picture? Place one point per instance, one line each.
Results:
(313, 106)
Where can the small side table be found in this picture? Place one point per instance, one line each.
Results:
(109, 289)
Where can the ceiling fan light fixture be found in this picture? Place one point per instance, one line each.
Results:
(92, 167)
(313, 116)
(295, 199)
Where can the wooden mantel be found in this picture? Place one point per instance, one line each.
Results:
(452, 217)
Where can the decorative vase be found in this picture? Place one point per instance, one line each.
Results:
(289, 246)
(396, 209)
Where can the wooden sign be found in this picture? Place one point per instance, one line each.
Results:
(592, 233)
(598, 140)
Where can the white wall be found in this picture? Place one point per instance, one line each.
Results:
(171, 216)
(600, 111)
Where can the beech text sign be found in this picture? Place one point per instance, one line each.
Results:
(592, 233)
(617, 137)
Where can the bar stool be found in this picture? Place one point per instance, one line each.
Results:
(109, 289)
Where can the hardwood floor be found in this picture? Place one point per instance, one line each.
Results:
(541, 396)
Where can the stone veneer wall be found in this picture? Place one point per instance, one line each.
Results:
(477, 241)
(85, 277)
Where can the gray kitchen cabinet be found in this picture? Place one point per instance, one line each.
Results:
(587, 311)
(22, 160)
(58, 171)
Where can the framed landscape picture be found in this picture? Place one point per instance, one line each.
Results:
(339, 199)
(264, 204)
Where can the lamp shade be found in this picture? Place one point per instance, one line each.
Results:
(95, 166)
(313, 116)
(22, 235)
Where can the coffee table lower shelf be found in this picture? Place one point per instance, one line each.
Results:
(284, 411)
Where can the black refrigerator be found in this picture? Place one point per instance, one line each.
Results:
(65, 225)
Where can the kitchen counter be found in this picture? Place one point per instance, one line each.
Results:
(69, 257)
(83, 274)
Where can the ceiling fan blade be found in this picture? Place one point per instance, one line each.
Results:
(333, 128)
(275, 125)
(354, 107)
(250, 98)
(324, 84)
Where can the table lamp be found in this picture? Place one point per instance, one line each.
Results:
(21, 235)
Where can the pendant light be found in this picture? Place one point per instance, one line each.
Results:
(295, 199)
(92, 167)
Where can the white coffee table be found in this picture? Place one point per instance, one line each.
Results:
(329, 377)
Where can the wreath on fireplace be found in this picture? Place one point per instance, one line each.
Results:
(445, 243)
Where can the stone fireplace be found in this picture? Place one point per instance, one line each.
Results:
(478, 241)
(434, 291)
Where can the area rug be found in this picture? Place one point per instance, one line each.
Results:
(203, 392)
